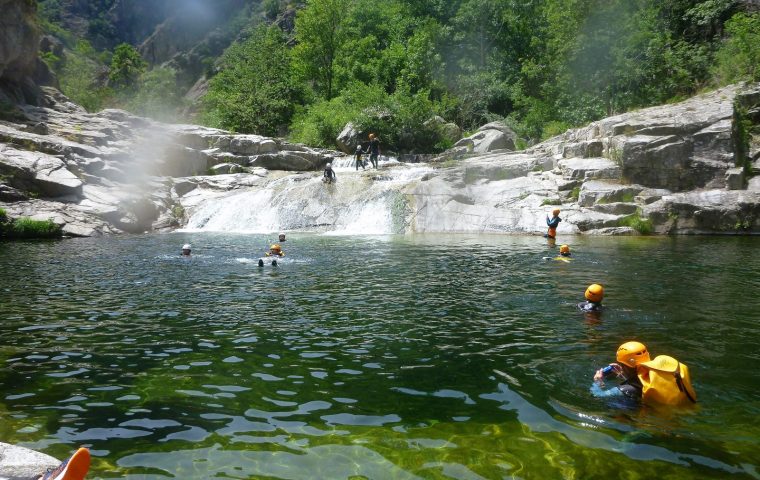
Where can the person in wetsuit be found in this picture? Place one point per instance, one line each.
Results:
(359, 152)
(186, 250)
(329, 174)
(629, 356)
(552, 223)
(564, 251)
(594, 295)
(374, 149)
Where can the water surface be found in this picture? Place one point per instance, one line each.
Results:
(379, 357)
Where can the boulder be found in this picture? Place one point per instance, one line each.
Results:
(19, 462)
(735, 178)
(706, 211)
(348, 139)
(251, 145)
(19, 39)
(588, 168)
(291, 161)
(38, 172)
(488, 140)
(598, 191)
(224, 168)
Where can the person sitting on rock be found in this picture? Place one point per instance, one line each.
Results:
(186, 250)
(552, 224)
(329, 174)
(594, 295)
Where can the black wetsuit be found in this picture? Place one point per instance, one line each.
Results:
(374, 151)
(631, 385)
(329, 175)
(359, 153)
(589, 306)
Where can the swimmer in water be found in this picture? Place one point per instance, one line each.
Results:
(594, 295)
(629, 356)
(186, 250)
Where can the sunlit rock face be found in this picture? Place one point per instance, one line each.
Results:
(672, 169)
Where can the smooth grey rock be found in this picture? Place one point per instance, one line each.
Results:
(22, 463)
(224, 168)
(588, 168)
(735, 178)
(348, 138)
(616, 208)
(707, 211)
(487, 141)
(598, 191)
(612, 231)
(251, 145)
(37, 171)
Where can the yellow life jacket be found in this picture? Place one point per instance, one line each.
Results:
(666, 381)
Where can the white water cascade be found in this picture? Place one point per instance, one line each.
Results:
(368, 202)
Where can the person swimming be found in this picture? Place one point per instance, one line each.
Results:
(629, 356)
(594, 296)
(186, 250)
(662, 381)
(281, 237)
(274, 251)
(564, 250)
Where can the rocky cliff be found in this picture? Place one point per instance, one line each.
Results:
(681, 168)
(19, 39)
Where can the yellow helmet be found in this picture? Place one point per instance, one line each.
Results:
(555, 211)
(275, 247)
(371, 136)
(632, 354)
(595, 293)
(564, 249)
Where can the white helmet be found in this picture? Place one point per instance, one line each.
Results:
(329, 165)
(186, 246)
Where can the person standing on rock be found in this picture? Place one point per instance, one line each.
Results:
(552, 223)
(374, 149)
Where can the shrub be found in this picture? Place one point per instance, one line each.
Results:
(739, 56)
(28, 228)
(642, 225)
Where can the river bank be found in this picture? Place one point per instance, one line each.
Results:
(684, 168)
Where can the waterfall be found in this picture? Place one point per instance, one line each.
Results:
(364, 202)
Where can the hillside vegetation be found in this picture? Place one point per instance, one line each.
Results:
(304, 70)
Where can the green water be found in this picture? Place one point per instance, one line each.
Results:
(376, 357)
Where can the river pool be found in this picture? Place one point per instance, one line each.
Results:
(377, 357)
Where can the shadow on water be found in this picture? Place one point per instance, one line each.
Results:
(375, 356)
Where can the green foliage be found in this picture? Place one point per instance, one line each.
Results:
(320, 33)
(575, 193)
(126, 66)
(255, 90)
(80, 78)
(3, 215)
(26, 228)
(642, 225)
(739, 56)
(551, 201)
(156, 95)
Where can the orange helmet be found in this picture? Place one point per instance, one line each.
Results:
(555, 211)
(632, 354)
(564, 249)
(275, 247)
(595, 293)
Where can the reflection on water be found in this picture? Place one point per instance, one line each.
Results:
(375, 357)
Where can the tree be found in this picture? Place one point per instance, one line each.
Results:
(126, 66)
(320, 34)
(255, 90)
